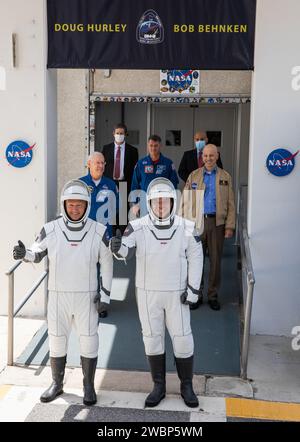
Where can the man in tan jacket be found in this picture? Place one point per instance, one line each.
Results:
(219, 215)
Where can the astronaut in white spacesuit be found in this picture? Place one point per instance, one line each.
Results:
(169, 262)
(74, 245)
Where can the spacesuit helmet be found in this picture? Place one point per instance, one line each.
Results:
(75, 190)
(161, 188)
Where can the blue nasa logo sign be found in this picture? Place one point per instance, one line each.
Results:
(19, 153)
(179, 80)
(150, 29)
(281, 162)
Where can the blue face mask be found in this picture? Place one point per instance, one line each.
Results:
(200, 144)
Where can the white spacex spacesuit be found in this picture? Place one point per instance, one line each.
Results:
(74, 248)
(169, 262)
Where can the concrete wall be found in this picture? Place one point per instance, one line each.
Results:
(244, 153)
(26, 114)
(274, 208)
(148, 82)
(72, 152)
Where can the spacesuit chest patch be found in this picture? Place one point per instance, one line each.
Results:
(160, 169)
(149, 169)
(101, 196)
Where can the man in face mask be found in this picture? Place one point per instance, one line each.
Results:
(192, 159)
(120, 158)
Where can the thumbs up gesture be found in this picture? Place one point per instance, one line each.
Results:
(19, 251)
(116, 242)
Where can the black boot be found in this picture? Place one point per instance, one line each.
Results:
(58, 372)
(88, 369)
(158, 373)
(185, 374)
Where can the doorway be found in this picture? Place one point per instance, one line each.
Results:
(227, 126)
(177, 125)
(217, 335)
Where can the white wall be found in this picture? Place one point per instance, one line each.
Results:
(26, 114)
(274, 203)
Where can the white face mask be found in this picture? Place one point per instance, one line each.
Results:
(119, 138)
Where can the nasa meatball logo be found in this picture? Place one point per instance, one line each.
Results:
(281, 162)
(19, 153)
(150, 29)
(179, 80)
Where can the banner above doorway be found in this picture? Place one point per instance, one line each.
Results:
(151, 34)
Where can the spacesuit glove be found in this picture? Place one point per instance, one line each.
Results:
(116, 242)
(100, 305)
(189, 297)
(19, 251)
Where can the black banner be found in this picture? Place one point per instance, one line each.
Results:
(151, 34)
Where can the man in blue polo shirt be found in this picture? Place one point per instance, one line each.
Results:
(104, 196)
(154, 165)
(104, 192)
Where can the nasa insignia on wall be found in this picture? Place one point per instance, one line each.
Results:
(180, 82)
(19, 153)
(281, 162)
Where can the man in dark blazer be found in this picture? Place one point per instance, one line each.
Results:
(120, 159)
(192, 159)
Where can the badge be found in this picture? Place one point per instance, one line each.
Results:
(101, 196)
(149, 169)
(160, 169)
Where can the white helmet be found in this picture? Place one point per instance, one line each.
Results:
(161, 188)
(75, 190)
